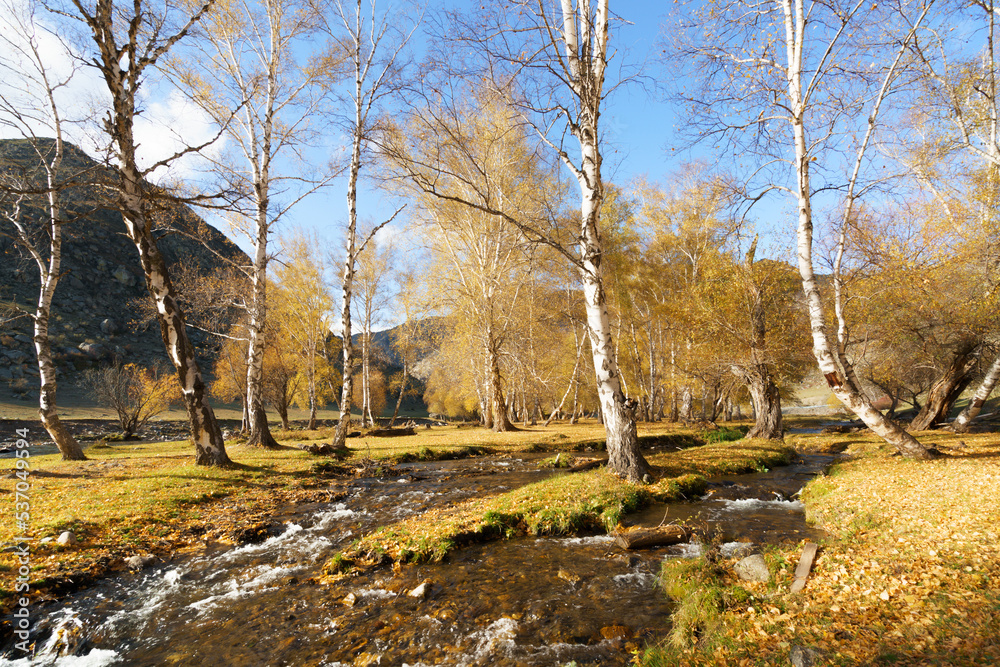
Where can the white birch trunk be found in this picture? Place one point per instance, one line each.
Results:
(975, 406)
(586, 56)
(260, 434)
(340, 436)
(48, 273)
(123, 86)
(795, 26)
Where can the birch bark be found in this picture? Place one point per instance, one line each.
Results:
(122, 67)
(839, 381)
(962, 422)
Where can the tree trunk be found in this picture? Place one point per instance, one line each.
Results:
(972, 411)
(260, 432)
(210, 448)
(638, 537)
(687, 406)
(49, 276)
(848, 394)
(767, 405)
(946, 390)
(67, 444)
(283, 414)
(312, 393)
(402, 392)
(366, 388)
(576, 401)
(498, 407)
(340, 435)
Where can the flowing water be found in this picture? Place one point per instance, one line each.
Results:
(525, 601)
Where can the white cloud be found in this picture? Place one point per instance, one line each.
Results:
(167, 121)
(168, 124)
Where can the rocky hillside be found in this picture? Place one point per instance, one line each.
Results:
(94, 315)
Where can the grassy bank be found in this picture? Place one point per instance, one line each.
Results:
(559, 505)
(910, 575)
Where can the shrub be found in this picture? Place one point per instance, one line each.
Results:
(136, 394)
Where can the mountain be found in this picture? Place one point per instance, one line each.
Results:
(93, 313)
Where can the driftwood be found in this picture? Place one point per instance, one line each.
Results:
(391, 432)
(589, 465)
(637, 538)
(805, 564)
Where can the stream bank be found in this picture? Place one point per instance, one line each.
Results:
(522, 601)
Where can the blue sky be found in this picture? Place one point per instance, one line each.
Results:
(638, 130)
(638, 126)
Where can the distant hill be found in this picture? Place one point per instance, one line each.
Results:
(430, 331)
(92, 314)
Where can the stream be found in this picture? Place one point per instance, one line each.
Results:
(525, 601)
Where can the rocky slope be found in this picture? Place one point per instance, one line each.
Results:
(94, 314)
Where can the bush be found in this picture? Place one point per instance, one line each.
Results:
(136, 394)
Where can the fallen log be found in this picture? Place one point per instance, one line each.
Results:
(589, 465)
(391, 432)
(637, 538)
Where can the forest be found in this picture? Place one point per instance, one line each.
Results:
(825, 219)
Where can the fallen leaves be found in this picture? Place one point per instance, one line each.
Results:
(910, 576)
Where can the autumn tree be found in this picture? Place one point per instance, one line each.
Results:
(136, 394)
(372, 294)
(553, 61)
(782, 83)
(373, 47)
(249, 58)
(303, 303)
(31, 200)
(925, 286)
(408, 338)
(953, 139)
(127, 43)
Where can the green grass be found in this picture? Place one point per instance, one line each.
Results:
(568, 504)
(594, 500)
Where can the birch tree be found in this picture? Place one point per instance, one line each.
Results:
(247, 59)
(784, 79)
(28, 106)
(127, 43)
(372, 296)
(553, 60)
(374, 53)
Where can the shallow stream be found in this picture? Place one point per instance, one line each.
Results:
(525, 601)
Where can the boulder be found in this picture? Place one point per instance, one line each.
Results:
(66, 538)
(420, 591)
(138, 562)
(108, 327)
(124, 276)
(95, 351)
(752, 568)
(802, 656)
